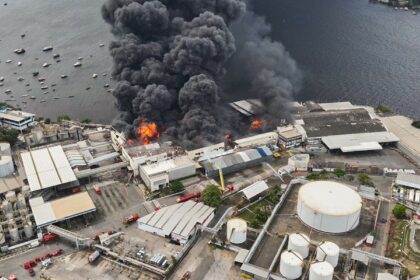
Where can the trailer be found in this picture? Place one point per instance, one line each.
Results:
(188, 197)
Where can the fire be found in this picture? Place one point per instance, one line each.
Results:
(147, 132)
(256, 124)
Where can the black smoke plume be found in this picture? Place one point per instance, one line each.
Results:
(170, 60)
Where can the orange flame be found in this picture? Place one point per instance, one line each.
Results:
(148, 132)
(256, 124)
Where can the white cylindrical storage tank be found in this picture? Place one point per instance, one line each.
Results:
(11, 196)
(329, 252)
(329, 206)
(236, 231)
(6, 207)
(21, 202)
(28, 229)
(299, 243)
(321, 271)
(14, 234)
(291, 264)
(5, 149)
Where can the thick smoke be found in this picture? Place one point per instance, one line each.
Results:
(170, 59)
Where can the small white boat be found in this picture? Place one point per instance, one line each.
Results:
(47, 48)
(94, 76)
(25, 95)
(44, 87)
(20, 79)
(63, 76)
(19, 63)
(7, 91)
(77, 64)
(80, 58)
(8, 61)
(45, 64)
(32, 97)
(1, 79)
(101, 45)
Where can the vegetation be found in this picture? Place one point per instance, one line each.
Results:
(364, 179)
(61, 118)
(273, 195)
(383, 109)
(339, 172)
(399, 211)
(350, 177)
(176, 186)
(318, 175)
(47, 120)
(416, 124)
(9, 135)
(212, 196)
(86, 120)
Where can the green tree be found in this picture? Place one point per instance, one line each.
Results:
(399, 211)
(313, 176)
(212, 196)
(261, 215)
(47, 120)
(176, 186)
(416, 124)
(339, 172)
(273, 195)
(9, 135)
(86, 120)
(61, 118)
(364, 179)
(383, 109)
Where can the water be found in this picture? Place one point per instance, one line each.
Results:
(351, 50)
(348, 50)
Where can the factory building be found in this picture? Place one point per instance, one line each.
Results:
(347, 130)
(299, 162)
(157, 175)
(290, 136)
(42, 134)
(16, 119)
(236, 161)
(50, 212)
(408, 180)
(177, 222)
(329, 206)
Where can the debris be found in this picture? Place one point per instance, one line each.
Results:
(19, 51)
(47, 48)
(94, 76)
(46, 64)
(77, 64)
(63, 76)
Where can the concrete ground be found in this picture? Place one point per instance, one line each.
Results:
(15, 263)
(267, 250)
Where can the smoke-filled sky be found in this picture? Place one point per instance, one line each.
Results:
(179, 61)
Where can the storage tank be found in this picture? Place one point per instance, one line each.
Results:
(28, 229)
(11, 196)
(14, 234)
(329, 252)
(21, 201)
(321, 271)
(291, 264)
(6, 207)
(5, 149)
(299, 243)
(329, 206)
(236, 231)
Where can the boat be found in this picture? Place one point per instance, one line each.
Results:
(101, 45)
(41, 79)
(56, 98)
(43, 101)
(414, 13)
(47, 48)
(1, 84)
(56, 55)
(24, 102)
(32, 97)
(44, 87)
(34, 74)
(405, 8)
(19, 50)
(94, 76)
(106, 85)
(63, 76)
(7, 91)
(19, 63)
(46, 64)
(25, 95)
(20, 79)
(80, 58)
(46, 92)
(77, 64)
(1, 79)
(71, 96)
(8, 61)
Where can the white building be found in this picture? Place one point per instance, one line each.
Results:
(408, 180)
(299, 162)
(290, 136)
(177, 221)
(141, 154)
(17, 119)
(158, 175)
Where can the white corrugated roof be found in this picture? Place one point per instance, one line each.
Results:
(352, 140)
(409, 180)
(47, 167)
(255, 189)
(365, 146)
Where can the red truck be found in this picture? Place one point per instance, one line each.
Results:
(188, 197)
(97, 189)
(47, 237)
(131, 219)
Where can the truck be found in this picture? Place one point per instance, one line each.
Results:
(47, 237)
(93, 257)
(97, 189)
(131, 219)
(188, 197)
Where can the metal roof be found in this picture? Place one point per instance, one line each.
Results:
(408, 180)
(386, 276)
(16, 116)
(359, 141)
(255, 189)
(47, 168)
(167, 165)
(46, 213)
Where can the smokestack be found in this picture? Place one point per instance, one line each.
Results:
(170, 59)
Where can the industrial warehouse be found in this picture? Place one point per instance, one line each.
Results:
(291, 205)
